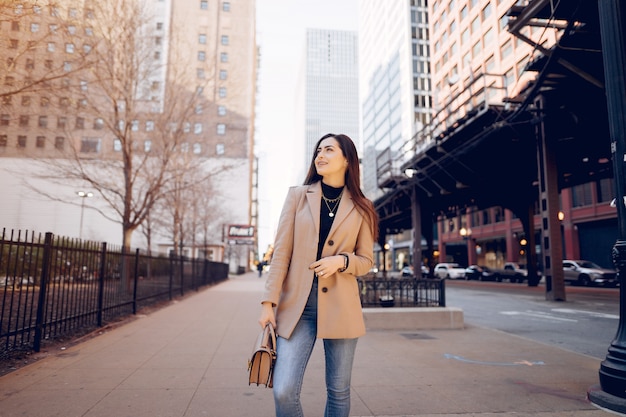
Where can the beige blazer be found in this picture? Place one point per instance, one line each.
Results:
(295, 247)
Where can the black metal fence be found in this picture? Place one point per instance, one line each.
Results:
(53, 287)
(402, 292)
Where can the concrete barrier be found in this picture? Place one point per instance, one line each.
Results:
(416, 318)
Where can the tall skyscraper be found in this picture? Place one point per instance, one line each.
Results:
(331, 94)
(394, 82)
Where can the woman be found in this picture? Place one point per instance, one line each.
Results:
(325, 239)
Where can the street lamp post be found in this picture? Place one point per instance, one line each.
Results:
(83, 195)
(611, 392)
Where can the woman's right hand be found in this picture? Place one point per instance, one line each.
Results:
(267, 315)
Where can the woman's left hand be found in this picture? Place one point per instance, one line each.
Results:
(327, 266)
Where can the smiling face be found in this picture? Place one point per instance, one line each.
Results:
(330, 162)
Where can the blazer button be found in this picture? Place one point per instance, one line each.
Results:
(331, 242)
(324, 289)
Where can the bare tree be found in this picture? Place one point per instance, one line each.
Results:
(143, 120)
(33, 28)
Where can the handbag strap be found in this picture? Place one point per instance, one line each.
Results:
(269, 338)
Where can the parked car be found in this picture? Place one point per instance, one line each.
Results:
(480, 273)
(449, 270)
(407, 271)
(588, 273)
(511, 271)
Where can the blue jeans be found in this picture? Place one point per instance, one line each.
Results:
(292, 357)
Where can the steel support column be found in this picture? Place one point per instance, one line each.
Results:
(552, 243)
(416, 222)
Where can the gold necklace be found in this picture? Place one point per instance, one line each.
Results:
(332, 200)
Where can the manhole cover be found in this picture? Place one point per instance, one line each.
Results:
(417, 336)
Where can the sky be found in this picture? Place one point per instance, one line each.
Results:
(281, 28)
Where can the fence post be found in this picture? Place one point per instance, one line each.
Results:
(171, 276)
(45, 271)
(103, 256)
(136, 281)
(182, 275)
(442, 293)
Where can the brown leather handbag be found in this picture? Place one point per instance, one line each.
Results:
(261, 363)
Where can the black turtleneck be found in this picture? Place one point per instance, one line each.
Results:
(325, 220)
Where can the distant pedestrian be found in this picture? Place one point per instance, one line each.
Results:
(259, 267)
(311, 294)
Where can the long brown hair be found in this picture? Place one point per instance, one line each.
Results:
(352, 178)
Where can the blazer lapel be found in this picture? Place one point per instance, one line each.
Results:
(314, 198)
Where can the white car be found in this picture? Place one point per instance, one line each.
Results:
(449, 270)
(588, 273)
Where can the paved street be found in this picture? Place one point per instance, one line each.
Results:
(189, 359)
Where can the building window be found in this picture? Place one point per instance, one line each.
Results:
(5, 119)
(80, 123)
(222, 92)
(226, 6)
(197, 128)
(198, 109)
(224, 57)
(15, 26)
(149, 125)
(147, 145)
(98, 124)
(197, 148)
(223, 74)
(21, 141)
(23, 121)
(224, 39)
(89, 31)
(506, 50)
(53, 28)
(200, 73)
(13, 44)
(34, 27)
(582, 195)
(117, 145)
(221, 110)
(605, 190)
(86, 48)
(159, 25)
(40, 142)
(43, 121)
(25, 100)
(221, 129)
(202, 39)
(83, 85)
(4, 139)
(90, 145)
(219, 149)
(67, 66)
(69, 48)
(71, 29)
(204, 4)
(62, 122)
(201, 56)
(134, 125)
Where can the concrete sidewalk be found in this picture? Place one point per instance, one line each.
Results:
(189, 359)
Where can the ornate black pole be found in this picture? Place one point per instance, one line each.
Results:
(611, 393)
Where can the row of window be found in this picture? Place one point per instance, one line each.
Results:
(94, 144)
(98, 123)
(72, 12)
(204, 5)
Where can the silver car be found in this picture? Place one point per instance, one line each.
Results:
(587, 273)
